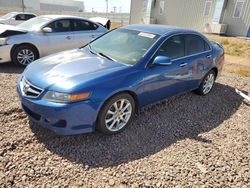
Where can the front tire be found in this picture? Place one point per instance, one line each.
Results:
(207, 83)
(116, 114)
(24, 55)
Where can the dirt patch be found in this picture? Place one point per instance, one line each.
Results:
(233, 46)
(238, 65)
(186, 141)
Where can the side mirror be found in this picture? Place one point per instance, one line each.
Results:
(47, 30)
(162, 61)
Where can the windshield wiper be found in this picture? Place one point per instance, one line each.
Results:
(110, 58)
(100, 53)
(90, 49)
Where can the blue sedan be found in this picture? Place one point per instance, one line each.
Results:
(102, 85)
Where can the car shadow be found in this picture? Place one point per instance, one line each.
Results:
(10, 68)
(154, 129)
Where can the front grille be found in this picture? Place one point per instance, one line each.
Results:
(29, 90)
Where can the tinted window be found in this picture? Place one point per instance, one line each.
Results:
(173, 48)
(195, 44)
(20, 17)
(61, 26)
(29, 16)
(82, 25)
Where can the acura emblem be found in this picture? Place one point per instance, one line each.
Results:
(26, 88)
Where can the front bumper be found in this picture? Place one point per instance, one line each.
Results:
(5, 51)
(63, 119)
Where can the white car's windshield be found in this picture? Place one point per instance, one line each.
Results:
(8, 16)
(126, 46)
(34, 23)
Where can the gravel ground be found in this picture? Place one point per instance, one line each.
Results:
(186, 141)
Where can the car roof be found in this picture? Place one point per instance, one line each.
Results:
(158, 29)
(23, 13)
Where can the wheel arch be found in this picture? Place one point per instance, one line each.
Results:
(131, 93)
(215, 69)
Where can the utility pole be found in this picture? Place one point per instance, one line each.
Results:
(107, 6)
(23, 5)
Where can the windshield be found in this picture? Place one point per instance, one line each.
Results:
(8, 16)
(34, 23)
(126, 46)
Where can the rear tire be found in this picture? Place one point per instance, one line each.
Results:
(24, 55)
(206, 84)
(116, 114)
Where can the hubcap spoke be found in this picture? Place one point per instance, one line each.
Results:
(25, 56)
(208, 83)
(118, 115)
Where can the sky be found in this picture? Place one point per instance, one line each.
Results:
(100, 5)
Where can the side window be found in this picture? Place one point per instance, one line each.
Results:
(82, 25)
(29, 16)
(195, 44)
(207, 8)
(63, 25)
(21, 17)
(238, 8)
(173, 48)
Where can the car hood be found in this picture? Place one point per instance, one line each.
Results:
(10, 30)
(68, 69)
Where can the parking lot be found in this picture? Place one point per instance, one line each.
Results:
(188, 140)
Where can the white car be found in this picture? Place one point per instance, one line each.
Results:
(45, 35)
(15, 18)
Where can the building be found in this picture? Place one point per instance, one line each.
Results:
(43, 5)
(230, 17)
(59, 5)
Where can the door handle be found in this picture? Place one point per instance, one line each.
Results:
(92, 36)
(183, 64)
(209, 56)
(68, 37)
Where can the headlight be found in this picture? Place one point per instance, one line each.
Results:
(64, 97)
(3, 41)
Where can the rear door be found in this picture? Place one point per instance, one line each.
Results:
(198, 59)
(62, 36)
(84, 31)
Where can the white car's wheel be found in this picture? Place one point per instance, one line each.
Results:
(24, 55)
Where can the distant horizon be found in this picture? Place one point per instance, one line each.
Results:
(122, 6)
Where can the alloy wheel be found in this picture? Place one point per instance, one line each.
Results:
(118, 115)
(208, 83)
(25, 56)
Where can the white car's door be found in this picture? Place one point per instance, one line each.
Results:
(61, 38)
(85, 31)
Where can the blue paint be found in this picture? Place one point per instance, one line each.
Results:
(80, 70)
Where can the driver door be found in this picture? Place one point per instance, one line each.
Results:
(164, 81)
(61, 38)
